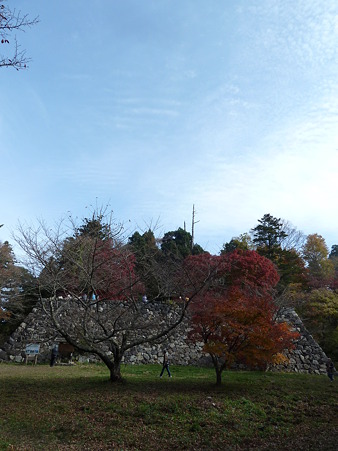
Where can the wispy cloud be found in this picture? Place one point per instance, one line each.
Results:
(229, 106)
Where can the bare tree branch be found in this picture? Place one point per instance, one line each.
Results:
(12, 21)
(92, 294)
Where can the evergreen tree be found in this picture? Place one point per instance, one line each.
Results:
(267, 235)
(178, 245)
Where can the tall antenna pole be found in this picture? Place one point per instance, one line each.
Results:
(193, 222)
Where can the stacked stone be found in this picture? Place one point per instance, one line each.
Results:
(35, 329)
(307, 357)
(180, 352)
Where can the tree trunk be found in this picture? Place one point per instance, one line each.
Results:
(115, 372)
(218, 369)
(218, 376)
(114, 366)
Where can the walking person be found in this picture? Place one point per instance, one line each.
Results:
(53, 356)
(165, 364)
(330, 369)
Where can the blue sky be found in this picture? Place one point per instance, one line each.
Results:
(155, 105)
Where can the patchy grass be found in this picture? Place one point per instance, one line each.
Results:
(73, 408)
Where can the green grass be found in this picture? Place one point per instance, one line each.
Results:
(72, 408)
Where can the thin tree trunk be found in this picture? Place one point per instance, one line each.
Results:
(218, 376)
(218, 369)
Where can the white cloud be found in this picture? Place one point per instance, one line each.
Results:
(240, 120)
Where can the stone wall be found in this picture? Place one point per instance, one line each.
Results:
(34, 329)
(307, 357)
(37, 328)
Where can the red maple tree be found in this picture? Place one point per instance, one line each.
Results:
(234, 315)
(90, 266)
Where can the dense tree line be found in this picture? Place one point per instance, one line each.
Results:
(308, 274)
(99, 288)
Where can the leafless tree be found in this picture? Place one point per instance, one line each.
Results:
(11, 21)
(93, 296)
(294, 238)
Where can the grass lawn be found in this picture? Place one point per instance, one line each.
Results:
(73, 408)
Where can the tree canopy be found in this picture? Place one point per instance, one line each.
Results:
(319, 310)
(18, 292)
(242, 242)
(234, 315)
(178, 244)
(320, 267)
(95, 292)
(278, 241)
(334, 251)
(267, 235)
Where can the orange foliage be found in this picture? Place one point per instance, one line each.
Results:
(236, 318)
(279, 359)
